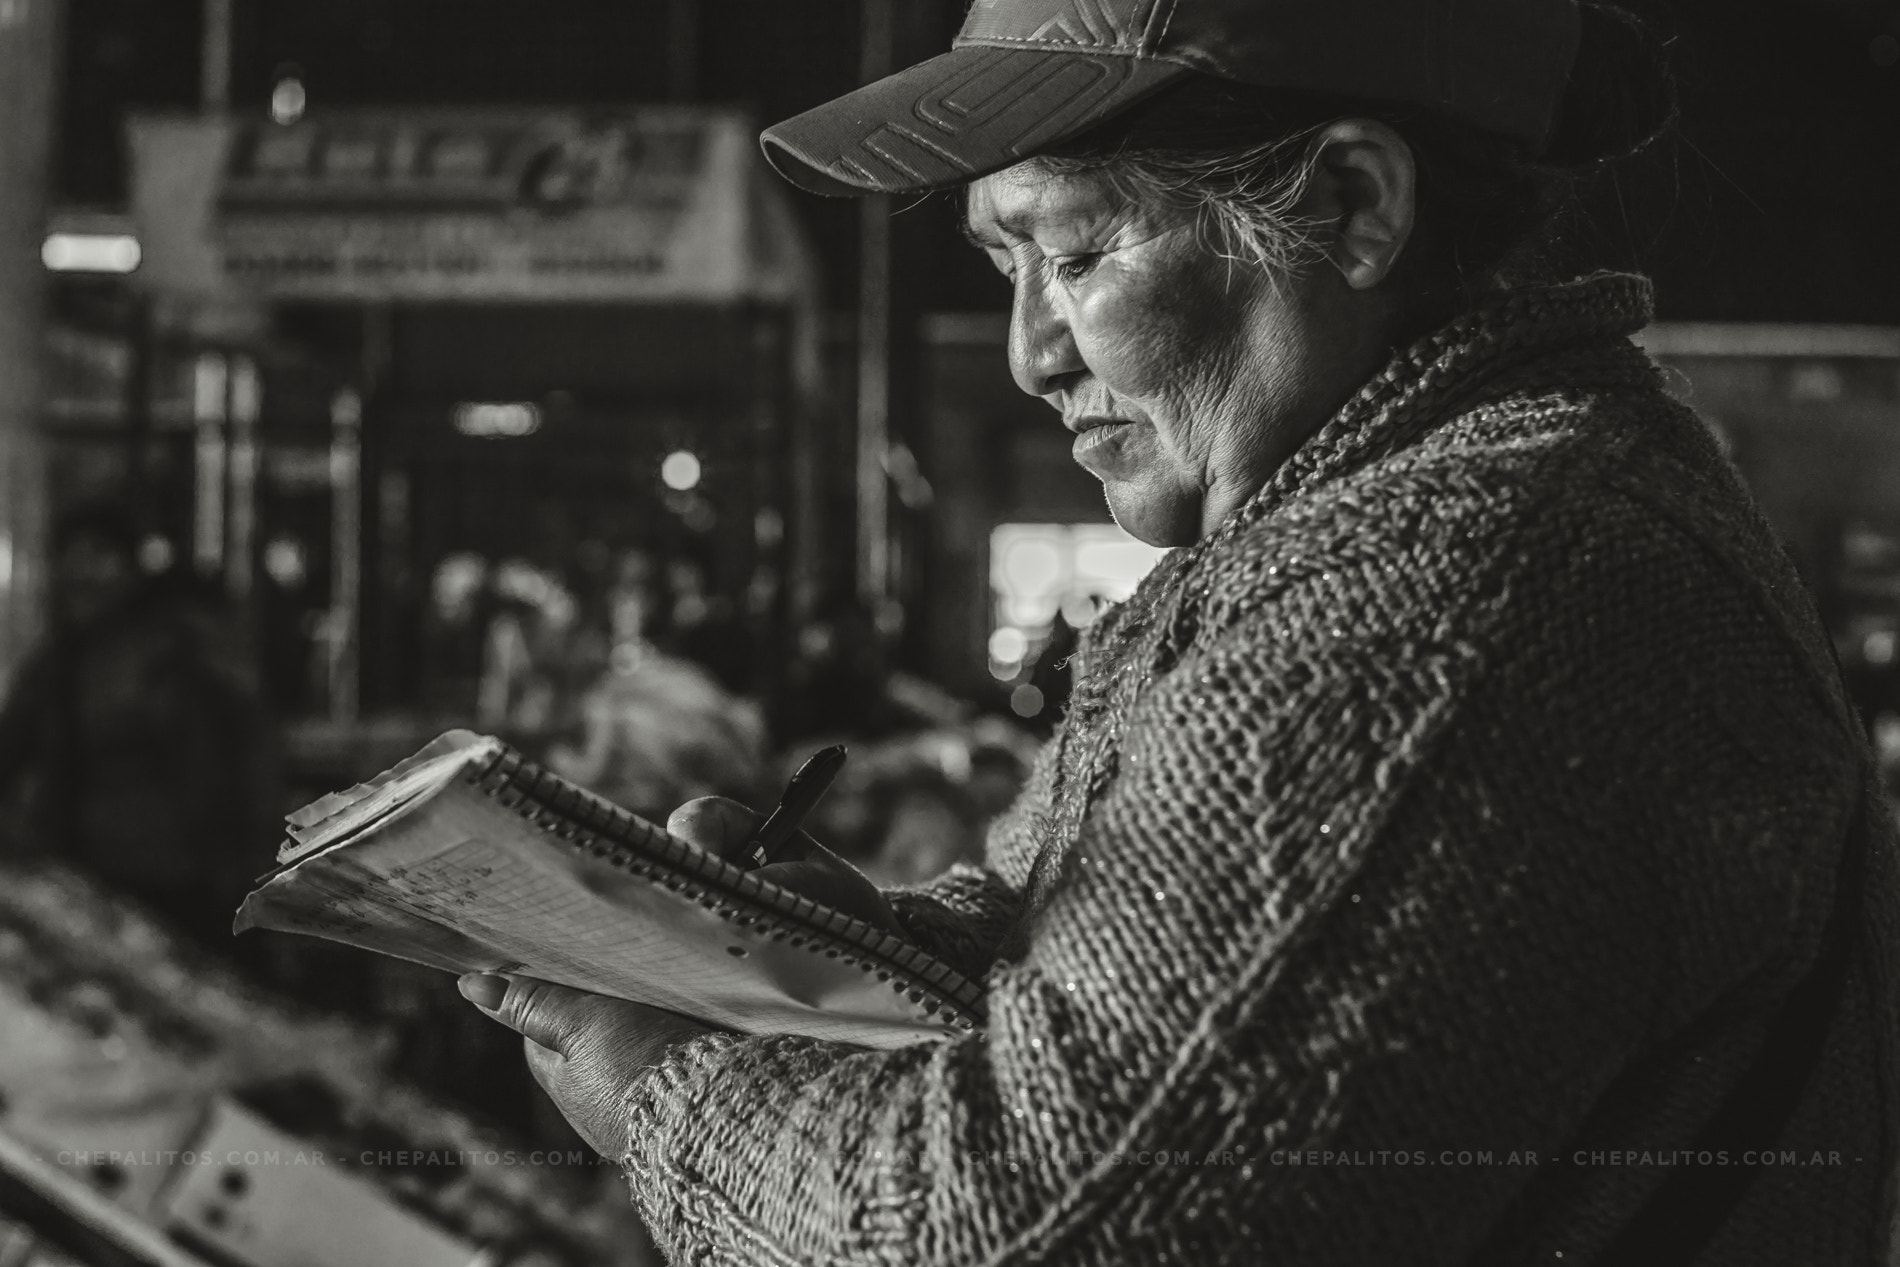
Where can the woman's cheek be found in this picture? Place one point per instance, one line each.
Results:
(1175, 319)
(1135, 350)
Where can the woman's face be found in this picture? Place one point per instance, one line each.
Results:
(1186, 377)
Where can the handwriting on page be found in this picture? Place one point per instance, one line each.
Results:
(464, 883)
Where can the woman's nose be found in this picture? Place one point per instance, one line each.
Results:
(1042, 351)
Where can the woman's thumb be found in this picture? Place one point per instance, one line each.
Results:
(717, 824)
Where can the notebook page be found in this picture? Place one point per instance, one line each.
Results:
(464, 884)
(340, 815)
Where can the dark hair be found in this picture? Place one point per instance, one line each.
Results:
(1490, 212)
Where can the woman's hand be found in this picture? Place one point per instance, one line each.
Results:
(723, 827)
(584, 1049)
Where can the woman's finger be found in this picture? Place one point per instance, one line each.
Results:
(821, 875)
(548, 1015)
(585, 1098)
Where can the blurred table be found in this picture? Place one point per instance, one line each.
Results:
(150, 1076)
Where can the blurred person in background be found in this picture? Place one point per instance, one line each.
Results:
(134, 736)
(841, 682)
(1460, 846)
(456, 633)
(929, 827)
(531, 625)
(908, 808)
(653, 727)
(702, 626)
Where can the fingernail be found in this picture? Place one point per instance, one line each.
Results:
(483, 989)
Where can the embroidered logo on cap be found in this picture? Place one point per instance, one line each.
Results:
(1095, 25)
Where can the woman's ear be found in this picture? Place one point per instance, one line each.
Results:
(1365, 191)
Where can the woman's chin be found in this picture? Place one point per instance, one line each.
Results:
(1164, 519)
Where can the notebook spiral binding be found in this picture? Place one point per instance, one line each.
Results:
(622, 839)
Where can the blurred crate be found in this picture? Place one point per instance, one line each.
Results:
(257, 1196)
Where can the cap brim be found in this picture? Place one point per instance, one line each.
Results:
(969, 112)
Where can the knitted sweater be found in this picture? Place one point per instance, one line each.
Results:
(1417, 866)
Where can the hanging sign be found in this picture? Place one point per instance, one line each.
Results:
(656, 204)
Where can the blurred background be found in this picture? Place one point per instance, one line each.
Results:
(374, 367)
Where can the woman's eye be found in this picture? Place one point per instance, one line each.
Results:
(1075, 267)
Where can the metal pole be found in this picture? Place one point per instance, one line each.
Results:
(346, 553)
(211, 405)
(29, 41)
(143, 336)
(246, 396)
(874, 345)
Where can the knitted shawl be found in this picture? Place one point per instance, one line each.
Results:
(1417, 866)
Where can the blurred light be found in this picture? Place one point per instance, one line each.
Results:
(91, 253)
(1081, 610)
(768, 528)
(953, 758)
(1032, 566)
(913, 490)
(761, 592)
(1030, 609)
(457, 584)
(288, 100)
(346, 408)
(680, 471)
(1009, 643)
(498, 420)
(247, 390)
(209, 381)
(1025, 701)
(1109, 562)
(1880, 647)
(156, 555)
(285, 564)
(1887, 737)
(1864, 547)
(816, 641)
(522, 581)
(1039, 570)
(6, 560)
(1006, 670)
(1818, 381)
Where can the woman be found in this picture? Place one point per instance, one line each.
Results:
(1439, 860)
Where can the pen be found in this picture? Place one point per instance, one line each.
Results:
(802, 795)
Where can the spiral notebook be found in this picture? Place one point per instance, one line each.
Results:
(468, 858)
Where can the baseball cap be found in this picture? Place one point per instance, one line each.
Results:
(1023, 75)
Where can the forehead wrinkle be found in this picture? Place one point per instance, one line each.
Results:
(1018, 203)
(1015, 225)
(977, 238)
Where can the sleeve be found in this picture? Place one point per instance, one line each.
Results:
(960, 917)
(1369, 919)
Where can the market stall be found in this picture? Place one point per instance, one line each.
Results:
(155, 1107)
(554, 335)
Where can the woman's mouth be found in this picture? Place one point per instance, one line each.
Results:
(1098, 444)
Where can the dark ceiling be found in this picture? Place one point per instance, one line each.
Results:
(1778, 203)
